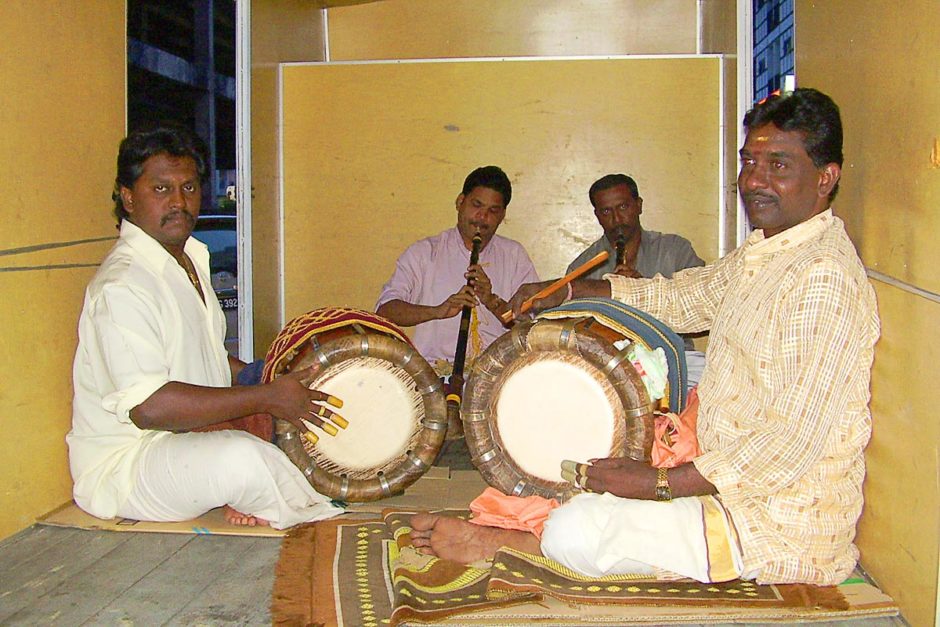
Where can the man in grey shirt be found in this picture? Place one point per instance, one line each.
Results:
(617, 207)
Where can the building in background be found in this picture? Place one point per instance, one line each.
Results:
(773, 45)
(181, 67)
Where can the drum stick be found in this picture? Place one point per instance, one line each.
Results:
(584, 268)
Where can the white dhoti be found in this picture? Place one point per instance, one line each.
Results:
(602, 534)
(184, 475)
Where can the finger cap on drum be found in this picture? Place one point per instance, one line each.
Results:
(311, 437)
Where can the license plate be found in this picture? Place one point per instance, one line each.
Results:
(229, 303)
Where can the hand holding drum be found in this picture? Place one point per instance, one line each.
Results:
(294, 401)
(621, 476)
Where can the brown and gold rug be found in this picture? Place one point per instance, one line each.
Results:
(364, 572)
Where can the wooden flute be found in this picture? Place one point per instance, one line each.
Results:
(620, 247)
(460, 353)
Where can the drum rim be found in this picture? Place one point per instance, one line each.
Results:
(483, 440)
(412, 463)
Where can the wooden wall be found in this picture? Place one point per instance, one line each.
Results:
(62, 115)
(407, 29)
(281, 31)
(427, 29)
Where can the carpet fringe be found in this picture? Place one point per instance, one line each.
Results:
(291, 601)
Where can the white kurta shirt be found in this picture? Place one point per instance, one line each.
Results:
(142, 325)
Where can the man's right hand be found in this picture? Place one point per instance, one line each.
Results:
(456, 302)
(290, 399)
(528, 290)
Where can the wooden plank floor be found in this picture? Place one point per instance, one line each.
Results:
(60, 576)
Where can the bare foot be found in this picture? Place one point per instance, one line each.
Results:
(460, 541)
(235, 517)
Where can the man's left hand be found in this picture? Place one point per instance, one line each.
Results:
(482, 287)
(627, 271)
(621, 476)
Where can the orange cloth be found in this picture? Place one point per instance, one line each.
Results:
(675, 441)
(495, 509)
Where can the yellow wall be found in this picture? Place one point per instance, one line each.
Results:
(879, 61)
(424, 29)
(375, 154)
(281, 30)
(718, 26)
(62, 68)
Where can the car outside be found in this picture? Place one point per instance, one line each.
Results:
(218, 233)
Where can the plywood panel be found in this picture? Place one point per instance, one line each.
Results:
(719, 26)
(375, 154)
(881, 64)
(898, 531)
(62, 67)
(427, 29)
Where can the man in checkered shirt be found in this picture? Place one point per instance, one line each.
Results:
(777, 489)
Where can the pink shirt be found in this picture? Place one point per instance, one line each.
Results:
(432, 269)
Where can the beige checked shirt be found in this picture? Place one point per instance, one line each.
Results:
(784, 412)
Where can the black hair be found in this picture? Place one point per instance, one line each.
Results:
(491, 177)
(609, 181)
(164, 138)
(810, 112)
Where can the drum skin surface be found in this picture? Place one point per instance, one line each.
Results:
(392, 399)
(551, 390)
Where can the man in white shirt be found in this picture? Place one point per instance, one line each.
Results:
(151, 365)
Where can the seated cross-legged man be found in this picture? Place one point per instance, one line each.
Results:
(151, 366)
(776, 491)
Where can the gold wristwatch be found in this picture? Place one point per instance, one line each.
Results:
(663, 491)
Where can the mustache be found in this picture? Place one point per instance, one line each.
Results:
(759, 196)
(619, 231)
(172, 216)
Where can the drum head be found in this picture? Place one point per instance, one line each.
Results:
(377, 434)
(561, 393)
(551, 391)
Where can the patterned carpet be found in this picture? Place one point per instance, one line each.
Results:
(364, 572)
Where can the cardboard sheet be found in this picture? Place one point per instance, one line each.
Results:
(439, 488)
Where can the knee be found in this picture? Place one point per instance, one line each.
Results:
(571, 536)
(240, 454)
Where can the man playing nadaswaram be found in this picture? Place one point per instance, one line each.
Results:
(434, 280)
(783, 421)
